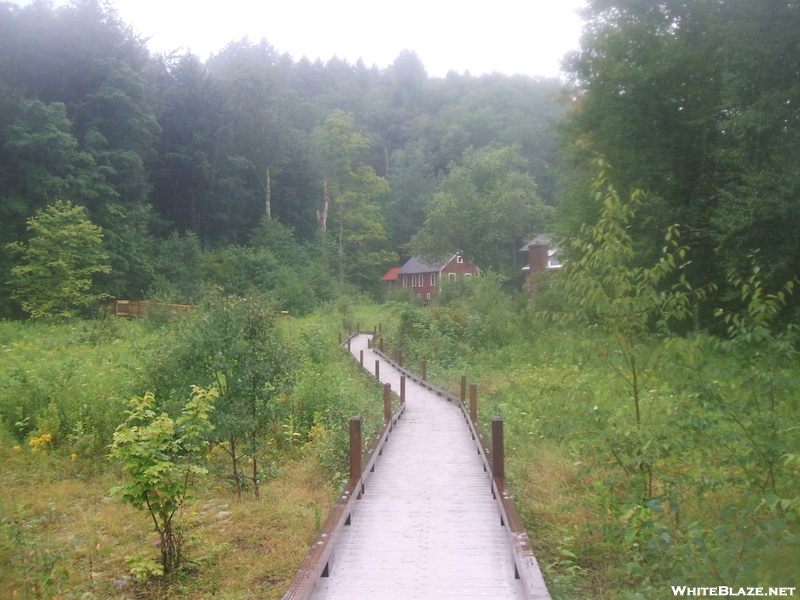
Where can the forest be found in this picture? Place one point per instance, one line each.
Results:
(650, 387)
(204, 174)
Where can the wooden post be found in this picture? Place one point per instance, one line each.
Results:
(423, 366)
(361, 357)
(400, 358)
(402, 389)
(340, 338)
(387, 402)
(369, 342)
(380, 327)
(463, 389)
(378, 370)
(381, 342)
(355, 448)
(473, 402)
(374, 331)
(358, 328)
(498, 471)
(348, 344)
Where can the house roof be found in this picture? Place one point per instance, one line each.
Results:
(544, 239)
(391, 274)
(416, 264)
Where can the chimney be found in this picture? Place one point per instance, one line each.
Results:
(537, 261)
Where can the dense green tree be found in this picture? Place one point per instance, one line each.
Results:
(183, 174)
(232, 343)
(177, 265)
(483, 208)
(694, 102)
(351, 200)
(413, 181)
(63, 253)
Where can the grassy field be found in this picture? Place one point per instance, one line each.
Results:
(702, 489)
(64, 389)
(695, 484)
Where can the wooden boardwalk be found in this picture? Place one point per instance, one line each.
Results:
(426, 526)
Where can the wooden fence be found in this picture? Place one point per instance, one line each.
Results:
(138, 308)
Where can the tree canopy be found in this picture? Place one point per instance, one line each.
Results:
(156, 146)
(483, 207)
(694, 102)
(62, 255)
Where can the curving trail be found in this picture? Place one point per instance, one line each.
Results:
(427, 526)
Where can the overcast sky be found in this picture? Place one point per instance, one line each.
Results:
(508, 36)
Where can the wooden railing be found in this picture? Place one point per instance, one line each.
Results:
(319, 560)
(492, 455)
(138, 308)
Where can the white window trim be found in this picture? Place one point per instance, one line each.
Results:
(433, 279)
(459, 259)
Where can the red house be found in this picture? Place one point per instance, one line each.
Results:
(391, 277)
(425, 279)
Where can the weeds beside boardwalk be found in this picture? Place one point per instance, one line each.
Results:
(64, 388)
(704, 491)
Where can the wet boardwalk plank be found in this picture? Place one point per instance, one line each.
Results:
(427, 525)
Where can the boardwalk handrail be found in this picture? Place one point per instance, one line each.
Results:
(525, 564)
(320, 558)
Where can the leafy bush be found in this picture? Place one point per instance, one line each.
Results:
(161, 456)
(232, 343)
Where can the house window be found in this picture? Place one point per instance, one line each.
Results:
(405, 280)
(433, 279)
(428, 296)
(459, 259)
(451, 276)
(467, 274)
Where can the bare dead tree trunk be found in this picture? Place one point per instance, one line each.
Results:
(322, 218)
(234, 463)
(266, 186)
(255, 474)
(269, 196)
(341, 249)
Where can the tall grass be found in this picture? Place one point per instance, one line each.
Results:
(69, 381)
(65, 388)
(700, 490)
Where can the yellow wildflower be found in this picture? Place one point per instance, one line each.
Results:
(41, 440)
